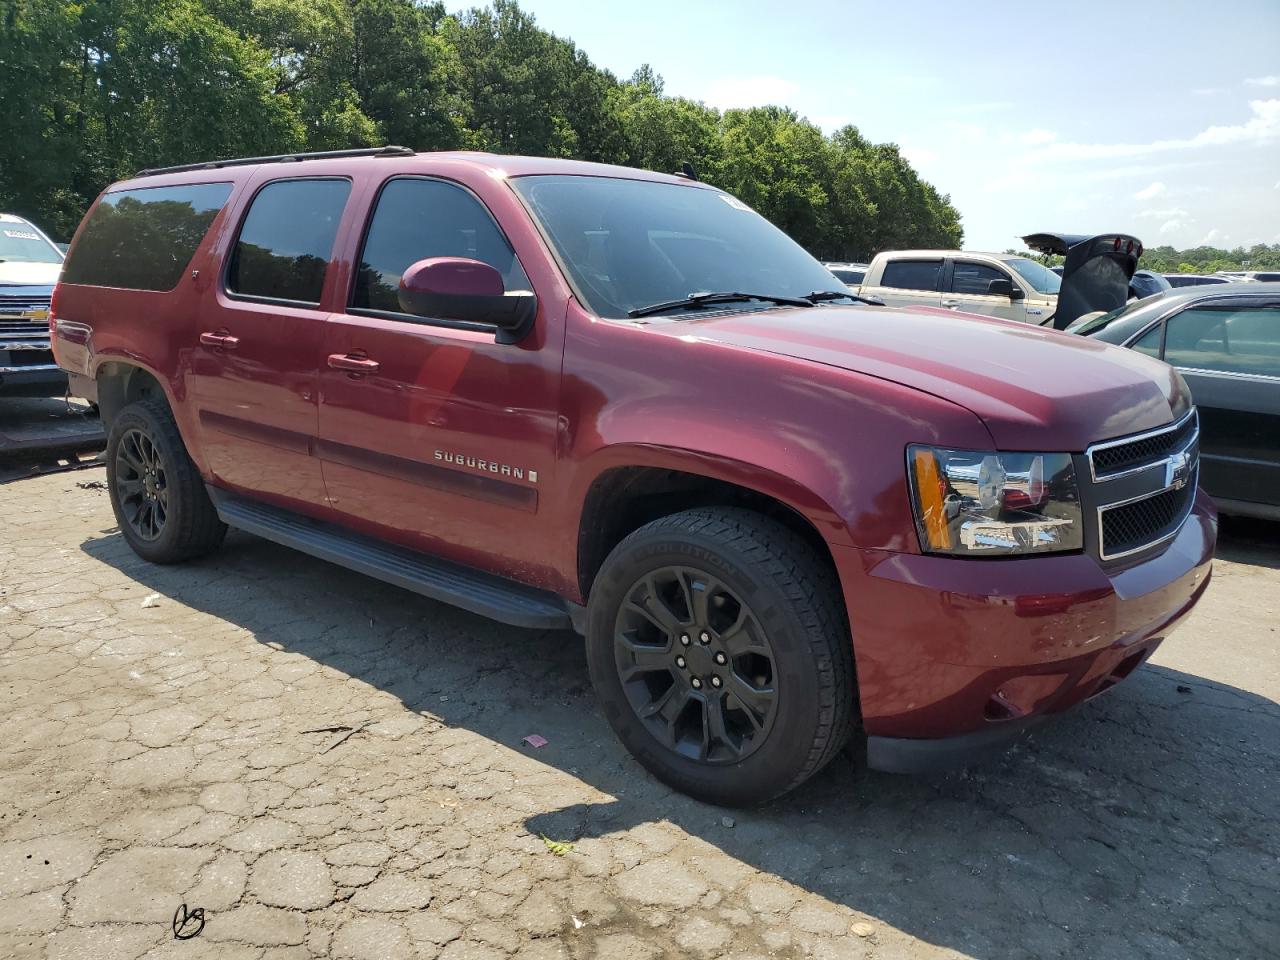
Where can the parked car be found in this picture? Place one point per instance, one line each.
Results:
(29, 265)
(1177, 280)
(564, 394)
(1146, 283)
(1006, 285)
(1225, 341)
(850, 274)
(1250, 276)
(996, 285)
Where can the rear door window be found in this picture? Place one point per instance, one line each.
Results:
(912, 274)
(1242, 340)
(851, 277)
(286, 240)
(416, 219)
(975, 278)
(144, 239)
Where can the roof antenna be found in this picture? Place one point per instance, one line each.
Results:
(686, 170)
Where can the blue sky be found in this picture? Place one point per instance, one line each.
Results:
(1162, 120)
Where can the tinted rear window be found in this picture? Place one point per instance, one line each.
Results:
(287, 239)
(144, 239)
(912, 274)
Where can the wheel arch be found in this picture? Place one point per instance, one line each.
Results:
(121, 383)
(623, 497)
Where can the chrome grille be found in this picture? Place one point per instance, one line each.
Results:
(1135, 526)
(11, 303)
(1149, 449)
(1144, 486)
(22, 334)
(1118, 457)
(16, 329)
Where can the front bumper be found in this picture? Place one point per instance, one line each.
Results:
(956, 658)
(37, 376)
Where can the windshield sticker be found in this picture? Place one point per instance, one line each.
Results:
(21, 235)
(735, 203)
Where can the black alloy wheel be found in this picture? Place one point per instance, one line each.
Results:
(157, 494)
(695, 664)
(142, 488)
(720, 653)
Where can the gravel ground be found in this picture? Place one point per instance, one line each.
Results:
(330, 767)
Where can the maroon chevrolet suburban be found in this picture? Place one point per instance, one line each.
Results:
(562, 394)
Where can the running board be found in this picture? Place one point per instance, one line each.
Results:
(474, 590)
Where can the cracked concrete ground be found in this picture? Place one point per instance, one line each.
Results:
(331, 767)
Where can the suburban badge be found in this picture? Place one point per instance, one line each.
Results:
(487, 466)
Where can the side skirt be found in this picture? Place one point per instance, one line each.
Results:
(483, 593)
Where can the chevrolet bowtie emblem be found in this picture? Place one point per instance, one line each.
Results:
(1177, 471)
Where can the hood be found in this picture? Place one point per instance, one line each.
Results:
(15, 271)
(1035, 389)
(1096, 274)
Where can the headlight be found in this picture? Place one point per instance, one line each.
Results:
(976, 503)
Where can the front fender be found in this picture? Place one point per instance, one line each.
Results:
(827, 442)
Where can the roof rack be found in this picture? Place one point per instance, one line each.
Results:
(389, 151)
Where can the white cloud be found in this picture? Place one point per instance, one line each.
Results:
(1171, 226)
(756, 90)
(1264, 124)
(1173, 213)
(1269, 81)
(1214, 236)
(992, 106)
(1148, 193)
(1038, 136)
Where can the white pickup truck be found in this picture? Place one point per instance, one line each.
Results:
(998, 285)
(1095, 278)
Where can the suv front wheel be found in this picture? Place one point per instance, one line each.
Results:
(720, 655)
(159, 500)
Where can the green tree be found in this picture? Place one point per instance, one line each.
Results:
(663, 133)
(777, 163)
(96, 89)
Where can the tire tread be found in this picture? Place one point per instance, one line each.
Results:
(199, 530)
(811, 592)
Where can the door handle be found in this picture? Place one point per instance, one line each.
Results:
(222, 340)
(951, 304)
(353, 363)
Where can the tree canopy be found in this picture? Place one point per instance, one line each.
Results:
(95, 90)
(1166, 259)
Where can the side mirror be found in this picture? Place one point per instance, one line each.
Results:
(456, 288)
(1004, 288)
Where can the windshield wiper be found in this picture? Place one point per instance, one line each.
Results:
(821, 296)
(706, 297)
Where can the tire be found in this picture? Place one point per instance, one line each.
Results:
(159, 500)
(783, 703)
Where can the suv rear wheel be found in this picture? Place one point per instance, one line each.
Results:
(721, 656)
(157, 495)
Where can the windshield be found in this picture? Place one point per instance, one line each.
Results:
(20, 243)
(628, 244)
(1041, 278)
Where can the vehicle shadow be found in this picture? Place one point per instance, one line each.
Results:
(1246, 540)
(1143, 824)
